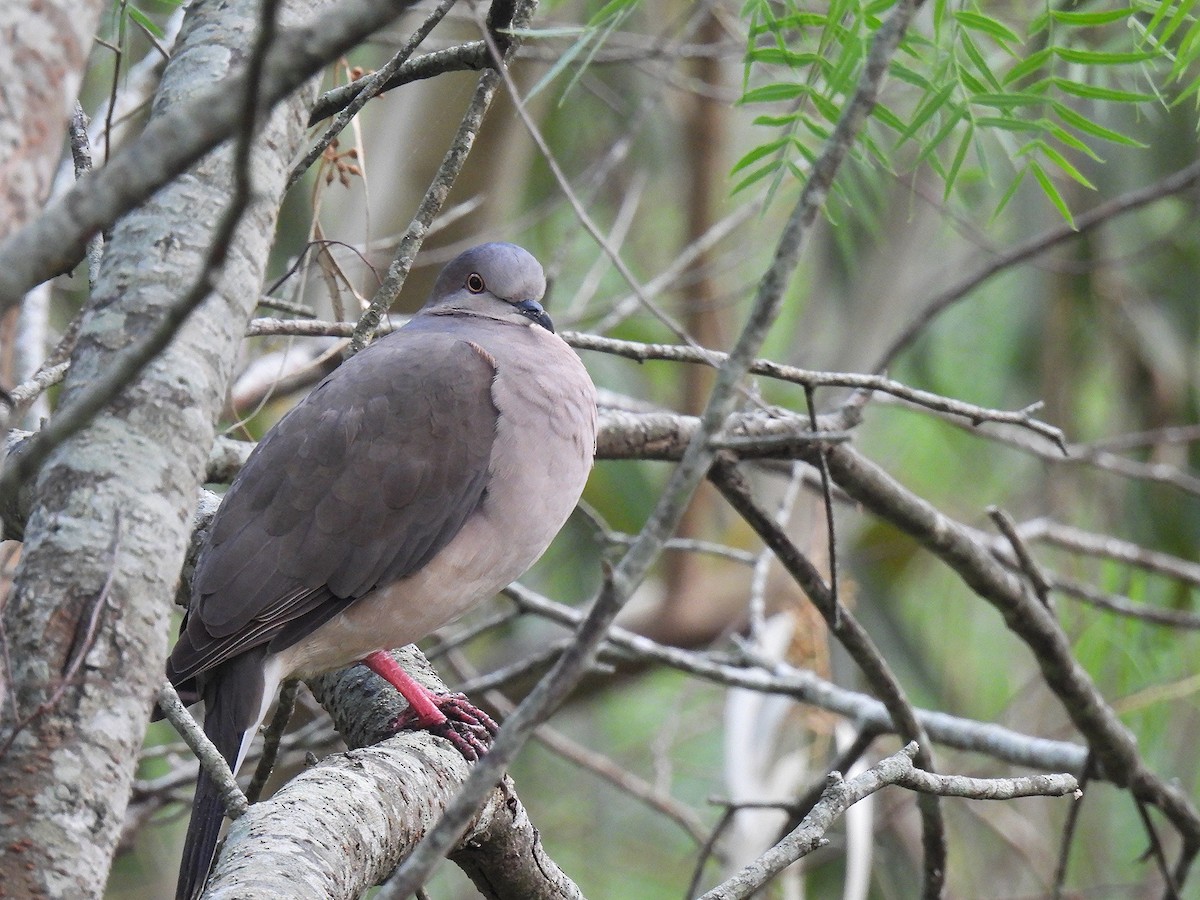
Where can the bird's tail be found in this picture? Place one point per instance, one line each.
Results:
(232, 701)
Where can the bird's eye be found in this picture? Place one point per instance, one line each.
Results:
(475, 283)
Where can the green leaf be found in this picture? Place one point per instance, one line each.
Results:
(756, 176)
(1029, 65)
(560, 65)
(1096, 92)
(981, 66)
(781, 56)
(964, 144)
(775, 121)
(1009, 194)
(758, 153)
(1004, 123)
(1014, 100)
(610, 10)
(933, 104)
(1063, 164)
(990, 27)
(144, 21)
(904, 73)
(1187, 50)
(887, 117)
(1082, 123)
(826, 107)
(815, 128)
(1103, 58)
(972, 84)
(1176, 20)
(1066, 138)
(772, 93)
(1051, 192)
(1102, 17)
(940, 136)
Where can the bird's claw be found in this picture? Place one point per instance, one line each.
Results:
(465, 725)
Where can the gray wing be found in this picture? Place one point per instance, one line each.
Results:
(361, 484)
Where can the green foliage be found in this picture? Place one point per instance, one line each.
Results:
(1009, 97)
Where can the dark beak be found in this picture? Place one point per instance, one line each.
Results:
(531, 309)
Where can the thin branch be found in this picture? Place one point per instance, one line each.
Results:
(1033, 571)
(642, 352)
(839, 795)
(273, 738)
(468, 57)
(830, 531)
(1090, 455)
(232, 798)
(858, 643)
(1112, 742)
(1070, 830)
(435, 196)
(807, 687)
(812, 379)
(845, 761)
(1035, 246)
(1156, 852)
(371, 87)
(1123, 606)
(1103, 546)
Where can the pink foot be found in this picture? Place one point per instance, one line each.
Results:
(451, 716)
(462, 723)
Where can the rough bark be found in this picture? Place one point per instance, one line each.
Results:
(112, 516)
(46, 46)
(340, 828)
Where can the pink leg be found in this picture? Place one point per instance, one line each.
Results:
(451, 716)
(418, 696)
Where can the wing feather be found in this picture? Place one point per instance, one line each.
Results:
(362, 483)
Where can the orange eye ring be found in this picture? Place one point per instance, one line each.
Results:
(475, 283)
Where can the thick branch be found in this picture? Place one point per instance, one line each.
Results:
(1114, 746)
(372, 805)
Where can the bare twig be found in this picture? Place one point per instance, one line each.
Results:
(1114, 746)
(839, 795)
(210, 757)
(468, 57)
(642, 352)
(1070, 829)
(435, 196)
(807, 687)
(371, 87)
(273, 738)
(1029, 565)
(847, 630)
(1103, 546)
(1122, 606)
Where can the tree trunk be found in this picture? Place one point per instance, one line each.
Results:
(86, 624)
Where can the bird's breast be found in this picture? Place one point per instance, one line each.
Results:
(540, 460)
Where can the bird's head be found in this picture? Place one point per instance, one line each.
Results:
(499, 280)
